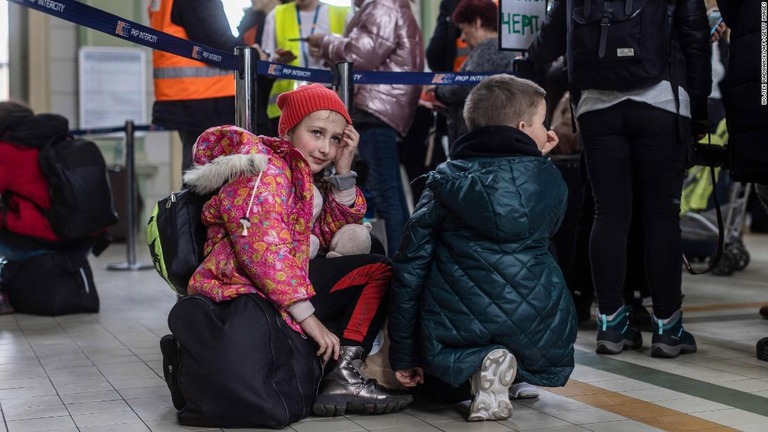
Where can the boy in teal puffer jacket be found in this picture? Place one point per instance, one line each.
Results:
(477, 298)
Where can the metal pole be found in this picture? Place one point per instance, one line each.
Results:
(343, 83)
(245, 88)
(130, 183)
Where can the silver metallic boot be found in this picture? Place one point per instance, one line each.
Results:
(344, 387)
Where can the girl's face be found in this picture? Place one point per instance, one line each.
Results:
(317, 137)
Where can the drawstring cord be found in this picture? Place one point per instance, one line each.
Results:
(245, 220)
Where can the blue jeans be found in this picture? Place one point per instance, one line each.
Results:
(378, 149)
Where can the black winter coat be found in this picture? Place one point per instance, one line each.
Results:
(691, 48)
(745, 92)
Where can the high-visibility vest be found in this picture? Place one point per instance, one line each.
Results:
(287, 27)
(462, 52)
(179, 78)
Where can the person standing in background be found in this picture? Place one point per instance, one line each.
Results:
(286, 29)
(191, 96)
(382, 36)
(478, 22)
(635, 123)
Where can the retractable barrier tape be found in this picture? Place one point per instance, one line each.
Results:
(88, 16)
(279, 70)
(109, 130)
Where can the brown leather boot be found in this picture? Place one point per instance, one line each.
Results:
(344, 388)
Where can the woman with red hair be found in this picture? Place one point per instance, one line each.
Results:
(478, 22)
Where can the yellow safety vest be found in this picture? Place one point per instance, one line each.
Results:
(287, 27)
(179, 78)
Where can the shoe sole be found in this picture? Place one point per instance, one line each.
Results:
(336, 405)
(490, 387)
(671, 351)
(524, 395)
(613, 348)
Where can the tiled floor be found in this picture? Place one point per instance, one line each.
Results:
(102, 372)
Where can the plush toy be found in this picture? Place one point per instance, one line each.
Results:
(351, 239)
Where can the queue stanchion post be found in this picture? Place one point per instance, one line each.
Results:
(245, 88)
(130, 180)
(343, 83)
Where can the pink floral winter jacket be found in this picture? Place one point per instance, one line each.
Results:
(268, 254)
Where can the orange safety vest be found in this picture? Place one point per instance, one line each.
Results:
(462, 52)
(179, 78)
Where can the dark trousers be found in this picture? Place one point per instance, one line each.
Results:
(635, 161)
(188, 138)
(352, 296)
(379, 150)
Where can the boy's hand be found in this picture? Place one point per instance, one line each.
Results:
(551, 143)
(410, 377)
(347, 149)
(327, 342)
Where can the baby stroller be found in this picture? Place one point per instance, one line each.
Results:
(698, 219)
(700, 233)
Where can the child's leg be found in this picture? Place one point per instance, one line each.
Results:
(352, 296)
(351, 301)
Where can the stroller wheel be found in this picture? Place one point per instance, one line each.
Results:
(741, 254)
(726, 266)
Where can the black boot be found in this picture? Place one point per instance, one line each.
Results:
(344, 387)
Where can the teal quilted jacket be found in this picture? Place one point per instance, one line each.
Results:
(474, 271)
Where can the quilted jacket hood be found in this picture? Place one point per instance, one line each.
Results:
(482, 183)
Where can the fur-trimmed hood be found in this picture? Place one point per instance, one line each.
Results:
(223, 153)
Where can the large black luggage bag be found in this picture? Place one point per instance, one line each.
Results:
(51, 283)
(238, 364)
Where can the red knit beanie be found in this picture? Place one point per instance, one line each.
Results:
(299, 103)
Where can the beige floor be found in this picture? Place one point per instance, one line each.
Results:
(102, 372)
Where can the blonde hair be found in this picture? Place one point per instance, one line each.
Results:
(502, 100)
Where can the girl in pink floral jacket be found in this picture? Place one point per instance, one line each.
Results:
(258, 238)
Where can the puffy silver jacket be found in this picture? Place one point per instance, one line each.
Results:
(382, 36)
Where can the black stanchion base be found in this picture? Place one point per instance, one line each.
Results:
(129, 266)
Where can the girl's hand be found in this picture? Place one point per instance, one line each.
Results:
(328, 343)
(410, 377)
(347, 149)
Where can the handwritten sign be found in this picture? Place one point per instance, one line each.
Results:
(519, 21)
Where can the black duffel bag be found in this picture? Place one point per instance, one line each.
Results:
(238, 364)
(51, 283)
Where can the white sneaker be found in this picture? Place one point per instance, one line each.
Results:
(490, 387)
(523, 390)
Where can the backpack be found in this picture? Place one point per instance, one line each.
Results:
(81, 196)
(176, 237)
(237, 364)
(619, 44)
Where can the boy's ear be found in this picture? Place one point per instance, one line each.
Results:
(521, 125)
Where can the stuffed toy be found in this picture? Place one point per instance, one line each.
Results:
(351, 239)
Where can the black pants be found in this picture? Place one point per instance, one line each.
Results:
(635, 161)
(352, 296)
(188, 138)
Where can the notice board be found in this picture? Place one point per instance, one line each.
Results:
(112, 86)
